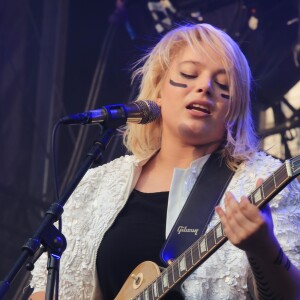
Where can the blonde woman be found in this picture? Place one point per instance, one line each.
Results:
(122, 212)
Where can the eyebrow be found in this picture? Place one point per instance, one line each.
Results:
(220, 71)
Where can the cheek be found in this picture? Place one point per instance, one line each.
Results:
(221, 117)
(173, 86)
(224, 107)
(171, 95)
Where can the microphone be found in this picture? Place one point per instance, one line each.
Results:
(140, 112)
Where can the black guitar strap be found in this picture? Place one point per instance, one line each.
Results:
(198, 208)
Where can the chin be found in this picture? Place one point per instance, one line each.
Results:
(192, 131)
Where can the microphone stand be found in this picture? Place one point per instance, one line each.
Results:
(47, 234)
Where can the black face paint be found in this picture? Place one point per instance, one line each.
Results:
(225, 96)
(182, 85)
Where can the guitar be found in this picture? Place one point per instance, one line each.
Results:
(147, 282)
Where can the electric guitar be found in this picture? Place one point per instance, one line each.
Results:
(147, 282)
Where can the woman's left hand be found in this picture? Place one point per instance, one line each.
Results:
(246, 226)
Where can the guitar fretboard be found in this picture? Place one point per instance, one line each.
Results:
(199, 251)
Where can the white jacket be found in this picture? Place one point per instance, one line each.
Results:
(103, 192)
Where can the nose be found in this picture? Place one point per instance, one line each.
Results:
(205, 91)
(204, 85)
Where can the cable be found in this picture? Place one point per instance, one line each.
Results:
(56, 189)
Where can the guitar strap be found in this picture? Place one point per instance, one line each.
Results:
(198, 208)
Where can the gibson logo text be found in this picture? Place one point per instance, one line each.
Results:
(184, 229)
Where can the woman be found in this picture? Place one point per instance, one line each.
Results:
(121, 212)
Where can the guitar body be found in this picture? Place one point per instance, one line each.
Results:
(138, 280)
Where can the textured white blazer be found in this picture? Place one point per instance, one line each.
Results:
(103, 192)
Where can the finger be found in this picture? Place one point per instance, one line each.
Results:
(265, 210)
(220, 212)
(233, 221)
(235, 213)
(250, 211)
(226, 227)
(244, 212)
(259, 182)
(239, 225)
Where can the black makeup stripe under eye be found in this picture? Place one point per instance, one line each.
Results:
(222, 86)
(225, 96)
(182, 85)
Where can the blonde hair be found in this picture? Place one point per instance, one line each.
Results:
(240, 142)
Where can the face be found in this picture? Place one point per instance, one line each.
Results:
(194, 100)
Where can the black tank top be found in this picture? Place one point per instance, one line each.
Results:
(137, 235)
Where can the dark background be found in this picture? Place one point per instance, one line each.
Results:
(59, 57)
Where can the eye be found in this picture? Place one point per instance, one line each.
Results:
(188, 76)
(223, 87)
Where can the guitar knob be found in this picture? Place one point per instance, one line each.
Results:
(137, 280)
(134, 277)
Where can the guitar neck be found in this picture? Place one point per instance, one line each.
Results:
(206, 245)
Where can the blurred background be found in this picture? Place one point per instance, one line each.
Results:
(66, 56)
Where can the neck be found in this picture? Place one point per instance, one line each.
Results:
(181, 156)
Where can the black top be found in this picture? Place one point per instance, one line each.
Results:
(137, 235)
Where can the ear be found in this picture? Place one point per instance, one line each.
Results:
(158, 101)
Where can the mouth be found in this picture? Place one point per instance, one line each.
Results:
(198, 107)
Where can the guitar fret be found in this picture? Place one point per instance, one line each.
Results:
(189, 259)
(269, 188)
(262, 188)
(170, 276)
(219, 231)
(214, 234)
(203, 246)
(210, 240)
(146, 294)
(288, 168)
(195, 253)
(280, 175)
(176, 272)
(173, 274)
(295, 165)
(198, 250)
(182, 265)
(165, 280)
(151, 294)
(155, 289)
(256, 196)
(274, 180)
(160, 286)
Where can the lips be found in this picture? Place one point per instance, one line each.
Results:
(199, 107)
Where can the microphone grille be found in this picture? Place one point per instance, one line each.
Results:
(149, 109)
